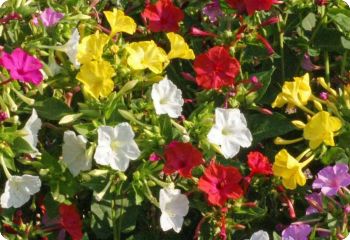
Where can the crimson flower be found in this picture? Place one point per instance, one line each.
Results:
(216, 68)
(259, 164)
(71, 221)
(182, 158)
(220, 183)
(22, 66)
(163, 16)
(251, 6)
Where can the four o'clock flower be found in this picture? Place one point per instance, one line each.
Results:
(31, 129)
(116, 146)
(174, 207)
(296, 232)
(260, 235)
(18, 190)
(348, 3)
(230, 131)
(48, 17)
(71, 47)
(331, 179)
(167, 98)
(74, 153)
(1, 3)
(1, 237)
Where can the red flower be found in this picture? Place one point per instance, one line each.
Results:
(181, 157)
(163, 16)
(250, 6)
(259, 164)
(70, 221)
(216, 68)
(220, 183)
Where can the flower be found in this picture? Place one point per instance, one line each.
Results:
(22, 66)
(31, 129)
(348, 3)
(1, 237)
(18, 190)
(317, 199)
(2, 2)
(174, 207)
(296, 232)
(213, 10)
(182, 158)
(147, 54)
(289, 169)
(74, 153)
(179, 48)
(97, 78)
(167, 98)
(116, 146)
(321, 128)
(331, 179)
(295, 93)
(230, 131)
(260, 235)
(119, 22)
(220, 183)
(259, 164)
(71, 221)
(216, 68)
(251, 6)
(71, 47)
(49, 17)
(163, 16)
(91, 47)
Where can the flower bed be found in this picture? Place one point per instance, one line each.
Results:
(174, 119)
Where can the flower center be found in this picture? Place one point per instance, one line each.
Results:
(163, 101)
(115, 145)
(226, 131)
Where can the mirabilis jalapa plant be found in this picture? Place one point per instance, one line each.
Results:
(174, 119)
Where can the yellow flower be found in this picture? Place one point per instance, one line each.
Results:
(97, 78)
(147, 54)
(296, 93)
(119, 22)
(179, 48)
(289, 169)
(320, 129)
(91, 47)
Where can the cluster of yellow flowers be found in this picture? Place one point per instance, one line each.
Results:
(321, 127)
(96, 73)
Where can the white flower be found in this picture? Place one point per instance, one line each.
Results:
(347, 2)
(18, 190)
(31, 128)
(71, 47)
(74, 153)
(260, 235)
(1, 3)
(348, 237)
(2, 238)
(174, 207)
(167, 98)
(230, 131)
(116, 146)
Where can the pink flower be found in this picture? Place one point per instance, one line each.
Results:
(48, 17)
(22, 66)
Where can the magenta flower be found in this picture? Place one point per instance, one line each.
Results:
(213, 10)
(22, 66)
(48, 17)
(331, 179)
(296, 232)
(316, 198)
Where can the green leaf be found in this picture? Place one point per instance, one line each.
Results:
(334, 154)
(21, 146)
(165, 127)
(52, 109)
(309, 22)
(101, 219)
(265, 79)
(328, 38)
(345, 42)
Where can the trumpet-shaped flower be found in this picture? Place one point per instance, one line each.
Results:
(70, 221)
(91, 47)
(31, 128)
(119, 22)
(2, 2)
(167, 98)
(74, 153)
(260, 235)
(296, 232)
(321, 128)
(147, 54)
(116, 146)
(174, 207)
(230, 131)
(48, 17)
(296, 93)
(97, 78)
(22, 66)
(18, 190)
(179, 48)
(71, 48)
(289, 169)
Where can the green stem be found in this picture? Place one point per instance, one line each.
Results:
(326, 66)
(344, 62)
(281, 45)
(6, 171)
(114, 220)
